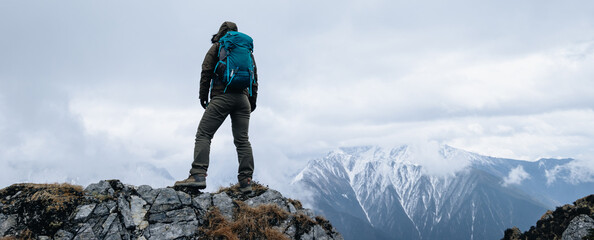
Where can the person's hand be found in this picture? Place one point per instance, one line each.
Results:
(204, 103)
(253, 104)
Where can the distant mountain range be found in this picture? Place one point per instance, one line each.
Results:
(372, 192)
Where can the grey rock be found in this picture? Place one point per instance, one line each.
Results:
(337, 236)
(127, 187)
(7, 222)
(166, 200)
(112, 205)
(291, 231)
(179, 215)
(82, 212)
(86, 232)
(184, 198)
(316, 232)
(118, 186)
(269, 197)
(126, 214)
(138, 209)
(63, 235)
(101, 210)
(285, 224)
(44, 238)
(203, 201)
(113, 236)
(100, 188)
(108, 222)
(307, 212)
(96, 223)
(147, 193)
(146, 234)
(292, 208)
(225, 204)
(578, 228)
(172, 230)
(320, 233)
(104, 208)
(114, 230)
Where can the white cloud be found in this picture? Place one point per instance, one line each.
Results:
(430, 156)
(442, 85)
(556, 134)
(515, 176)
(579, 171)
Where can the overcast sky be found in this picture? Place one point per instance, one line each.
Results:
(93, 90)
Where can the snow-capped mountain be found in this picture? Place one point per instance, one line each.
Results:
(379, 193)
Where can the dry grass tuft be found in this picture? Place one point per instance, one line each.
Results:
(60, 192)
(103, 197)
(8, 238)
(304, 223)
(233, 190)
(217, 226)
(296, 203)
(250, 223)
(53, 197)
(255, 222)
(273, 234)
(324, 223)
(24, 235)
(56, 195)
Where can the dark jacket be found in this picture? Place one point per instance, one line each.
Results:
(209, 63)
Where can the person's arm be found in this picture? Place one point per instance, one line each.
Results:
(207, 74)
(254, 96)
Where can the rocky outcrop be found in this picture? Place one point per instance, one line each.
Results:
(578, 228)
(567, 222)
(112, 210)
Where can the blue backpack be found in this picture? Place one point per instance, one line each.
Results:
(235, 68)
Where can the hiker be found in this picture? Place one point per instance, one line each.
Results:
(233, 86)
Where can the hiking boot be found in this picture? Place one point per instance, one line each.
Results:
(245, 185)
(196, 181)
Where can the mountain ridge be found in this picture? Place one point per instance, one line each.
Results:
(394, 190)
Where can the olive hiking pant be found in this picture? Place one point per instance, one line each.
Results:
(238, 106)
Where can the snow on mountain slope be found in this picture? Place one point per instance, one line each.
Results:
(410, 193)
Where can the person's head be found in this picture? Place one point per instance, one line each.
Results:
(225, 27)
